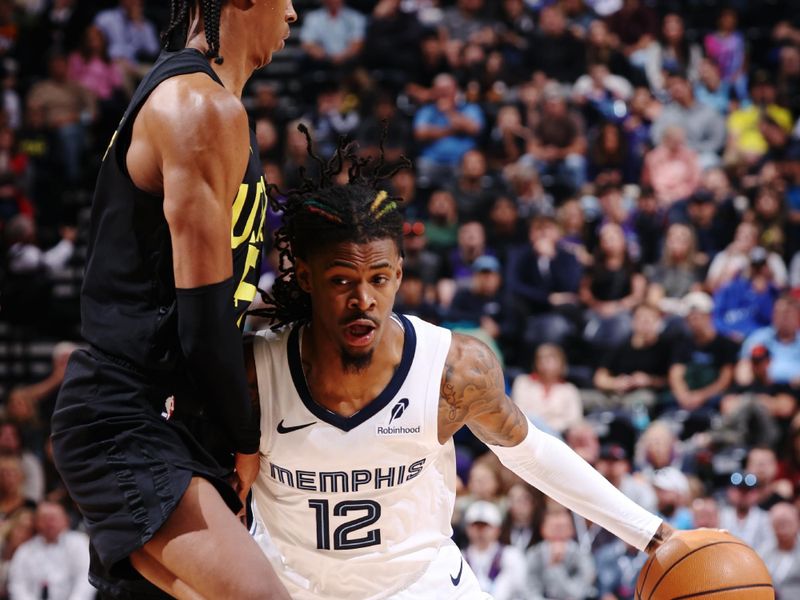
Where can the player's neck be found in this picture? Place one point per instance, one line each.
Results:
(343, 390)
(236, 68)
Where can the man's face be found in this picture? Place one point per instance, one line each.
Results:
(785, 318)
(352, 288)
(486, 283)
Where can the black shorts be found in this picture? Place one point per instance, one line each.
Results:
(123, 462)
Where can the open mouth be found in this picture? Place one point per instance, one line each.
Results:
(360, 332)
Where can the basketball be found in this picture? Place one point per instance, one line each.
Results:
(704, 563)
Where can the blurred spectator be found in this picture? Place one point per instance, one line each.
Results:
(677, 273)
(333, 117)
(746, 141)
(68, 108)
(632, 373)
(471, 245)
(735, 259)
(391, 28)
(557, 566)
(609, 156)
(711, 90)
(554, 49)
(788, 78)
(90, 66)
(464, 23)
(474, 189)
(441, 228)
(783, 557)
(506, 230)
(427, 264)
(618, 566)
(701, 369)
(509, 138)
(771, 217)
(479, 306)
(583, 439)
(610, 288)
(603, 47)
(59, 29)
(524, 183)
(445, 129)
(484, 483)
(398, 133)
(411, 298)
(615, 465)
(500, 568)
(132, 38)
(672, 168)
(55, 563)
(643, 109)
(32, 472)
(572, 221)
(704, 127)
(522, 526)
(636, 27)
(763, 463)
(434, 62)
(742, 517)
(27, 283)
(544, 395)
(672, 493)
(12, 478)
(658, 447)
(744, 304)
(514, 29)
(676, 53)
(333, 36)
(542, 280)
(602, 94)
(15, 532)
(726, 47)
(558, 145)
(782, 341)
(705, 512)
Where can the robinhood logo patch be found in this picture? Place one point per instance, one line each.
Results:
(394, 429)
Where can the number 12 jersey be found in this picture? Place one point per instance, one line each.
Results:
(359, 506)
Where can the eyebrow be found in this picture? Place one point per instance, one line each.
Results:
(384, 264)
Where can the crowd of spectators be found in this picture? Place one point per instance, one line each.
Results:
(607, 192)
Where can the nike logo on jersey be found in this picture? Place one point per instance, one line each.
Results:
(282, 429)
(457, 579)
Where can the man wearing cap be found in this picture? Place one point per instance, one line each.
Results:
(500, 569)
(702, 365)
(672, 492)
(479, 306)
(742, 516)
(615, 466)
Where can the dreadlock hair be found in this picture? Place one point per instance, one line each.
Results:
(319, 214)
(174, 36)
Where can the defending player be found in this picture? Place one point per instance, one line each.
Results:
(359, 405)
(175, 245)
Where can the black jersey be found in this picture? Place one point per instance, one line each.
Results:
(128, 305)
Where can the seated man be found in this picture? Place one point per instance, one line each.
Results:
(782, 340)
(702, 367)
(333, 35)
(355, 479)
(633, 373)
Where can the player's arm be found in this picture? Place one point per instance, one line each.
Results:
(200, 137)
(473, 394)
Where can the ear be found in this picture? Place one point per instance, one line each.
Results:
(302, 272)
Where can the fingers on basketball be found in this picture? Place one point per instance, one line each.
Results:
(704, 563)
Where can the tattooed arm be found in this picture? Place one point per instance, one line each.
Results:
(473, 394)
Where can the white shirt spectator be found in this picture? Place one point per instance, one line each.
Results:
(334, 34)
(62, 566)
(755, 529)
(500, 570)
(127, 39)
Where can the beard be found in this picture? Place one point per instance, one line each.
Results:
(355, 363)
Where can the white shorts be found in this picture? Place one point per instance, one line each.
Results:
(447, 578)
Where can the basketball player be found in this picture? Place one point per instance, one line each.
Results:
(358, 408)
(175, 244)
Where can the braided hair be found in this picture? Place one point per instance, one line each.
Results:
(320, 213)
(174, 36)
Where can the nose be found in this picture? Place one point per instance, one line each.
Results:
(361, 299)
(291, 15)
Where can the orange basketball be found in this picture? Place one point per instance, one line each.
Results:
(704, 563)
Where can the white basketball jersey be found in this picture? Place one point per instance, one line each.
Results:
(359, 506)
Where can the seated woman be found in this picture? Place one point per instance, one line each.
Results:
(677, 273)
(544, 396)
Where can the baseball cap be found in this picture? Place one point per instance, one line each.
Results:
(670, 479)
(486, 263)
(483, 512)
(759, 352)
(613, 452)
(698, 302)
